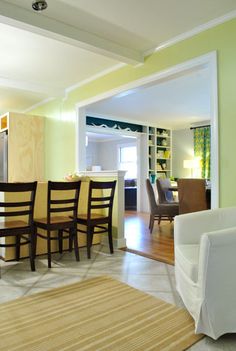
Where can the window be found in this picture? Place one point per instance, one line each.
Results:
(128, 161)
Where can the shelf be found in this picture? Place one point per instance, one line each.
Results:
(156, 139)
(163, 170)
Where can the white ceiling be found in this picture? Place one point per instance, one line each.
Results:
(42, 54)
(176, 103)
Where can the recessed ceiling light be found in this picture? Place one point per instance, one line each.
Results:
(39, 5)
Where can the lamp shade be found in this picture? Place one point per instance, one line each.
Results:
(188, 164)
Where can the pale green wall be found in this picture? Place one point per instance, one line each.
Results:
(60, 137)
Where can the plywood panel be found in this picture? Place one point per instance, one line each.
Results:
(25, 148)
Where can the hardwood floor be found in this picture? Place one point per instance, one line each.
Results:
(159, 245)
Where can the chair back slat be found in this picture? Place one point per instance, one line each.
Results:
(22, 189)
(104, 198)
(104, 201)
(63, 209)
(66, 201)
(99, 206)
(15, 204)
(15, 213)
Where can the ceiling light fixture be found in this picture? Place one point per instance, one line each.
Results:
(39, 5)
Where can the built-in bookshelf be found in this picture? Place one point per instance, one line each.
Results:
(159, 152)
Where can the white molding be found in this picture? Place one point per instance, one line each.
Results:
(105, 174)
(95, 129)
(211, 24)
(22, 18)
(38, 104)
(215, 186)
(145, 81)
(118, 243)
(29, 86)
(207, 59)
(94, 77)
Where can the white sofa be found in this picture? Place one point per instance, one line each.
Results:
(205, 268)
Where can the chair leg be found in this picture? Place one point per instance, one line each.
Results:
(76, 245)
(110, 238)
(71, 237)
(60, 241)
(159, 220)
(89, 240)
(32, 251)
(35, 241)
(18, 247)
(151, 223)
(49, 248)
(150, 219)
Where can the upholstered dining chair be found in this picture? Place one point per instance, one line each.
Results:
(98, 219)
(21, 211)
(161, 211)
(192, 195)
(62, 208)
(165, 196)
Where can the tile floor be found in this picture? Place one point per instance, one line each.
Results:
(151, 276)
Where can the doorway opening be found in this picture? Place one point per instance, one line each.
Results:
(206, 62)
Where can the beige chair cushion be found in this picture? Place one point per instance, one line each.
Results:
(188, 256)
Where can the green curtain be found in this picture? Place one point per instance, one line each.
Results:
(202, 150)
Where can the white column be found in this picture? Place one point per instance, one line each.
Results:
(120, 240)
(81, 140)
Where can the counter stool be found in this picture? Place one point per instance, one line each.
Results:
(62, 210)
(22, 227)
(95, 219)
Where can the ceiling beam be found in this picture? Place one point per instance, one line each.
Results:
(31, 87)
(40, 24)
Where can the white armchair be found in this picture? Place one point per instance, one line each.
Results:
(205, 265)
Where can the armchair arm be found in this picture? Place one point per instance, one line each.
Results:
(217, 282)
(188, 228)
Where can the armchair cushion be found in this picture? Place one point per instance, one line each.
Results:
(188, 260)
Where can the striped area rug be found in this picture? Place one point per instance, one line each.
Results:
(99, 314)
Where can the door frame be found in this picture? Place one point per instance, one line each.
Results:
(208, 60)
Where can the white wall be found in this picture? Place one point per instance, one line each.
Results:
(105, 153)
(182, 149)
(91, 155)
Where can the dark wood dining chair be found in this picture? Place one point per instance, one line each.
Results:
(100, 199)
(159, 211)
(192, 195)
(21, 224)
(62, 208)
